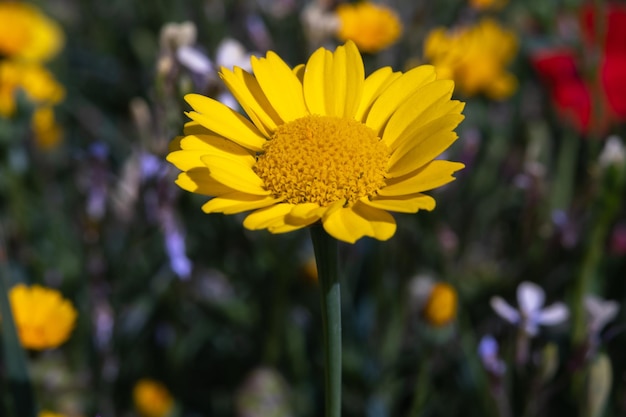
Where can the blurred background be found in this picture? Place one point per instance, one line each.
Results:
(185, 314)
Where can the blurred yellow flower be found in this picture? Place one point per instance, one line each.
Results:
(475, 58)
(370, 26)
(440, 308)
(487, 4)
(35, 81)
(49, 414)
(152, 398)
(44, 319)
(46, 130)
(27, 34)
(323, 144)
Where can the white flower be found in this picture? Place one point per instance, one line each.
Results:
(531, 314)
(230, 53)
(613, 152)
(600, 312)
(195, 60)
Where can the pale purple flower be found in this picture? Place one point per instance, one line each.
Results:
(599, 312)
(531, 313)
(194, 60)
(488, 352)
(175, 244)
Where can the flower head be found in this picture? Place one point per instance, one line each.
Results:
(476, 57)
(487, 4)
(44, 319)
(152, 398)
(570, 92)
(322, 144)
(34, 80)
(440, 308)
(599, 312)
(488, 351)
(370, 26)
(531, 314)
(27, 34)
(49, 414)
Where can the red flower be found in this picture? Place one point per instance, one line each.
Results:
(571, 94)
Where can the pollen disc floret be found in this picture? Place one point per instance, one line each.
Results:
(321, 143)
(323, 159)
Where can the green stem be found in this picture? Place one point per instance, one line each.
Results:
(563, 185)
(326, 258)
(14, 357)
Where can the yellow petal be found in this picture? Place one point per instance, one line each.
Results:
(304, 210)
(281, 86)
(199, 180)
(404, 117)
(433, 175)
(373, 86)
(285, 228)
(216, 145)
(424, 133)
(236, 203)
(333, 82)
(419, 154)
(186, 160)
(298, 70)
(234, 174)
(195, 128)
(402, 204)
(349, 68)
(421, 123)
(250, 96)
(304, 214)
(396, 93)
(352, 223)
(314, 86)
(224, 121)
(268, 217)
(174, 144)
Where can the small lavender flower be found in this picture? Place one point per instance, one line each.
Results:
(175, 246)
(531, 313)
(488, 352)
(599, 313)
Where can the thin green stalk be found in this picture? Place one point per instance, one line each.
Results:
(326, 258)
(14, 357)
(563, 185)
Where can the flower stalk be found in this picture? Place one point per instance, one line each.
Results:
(326, 258)
(14, 358)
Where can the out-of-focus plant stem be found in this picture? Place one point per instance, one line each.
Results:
(563, 184)
(609, 200)
(607, 207)
(14, 357)
(326, 258)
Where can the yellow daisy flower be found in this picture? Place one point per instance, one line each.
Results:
(488, 4)
(152, 399)
(440, 309)
(323, 144)
(43, 318)
(475, 57)
(27, 34)
(35, 81)
(371, 26)
(49, 414)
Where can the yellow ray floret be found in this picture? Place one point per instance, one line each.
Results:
(322, 143)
